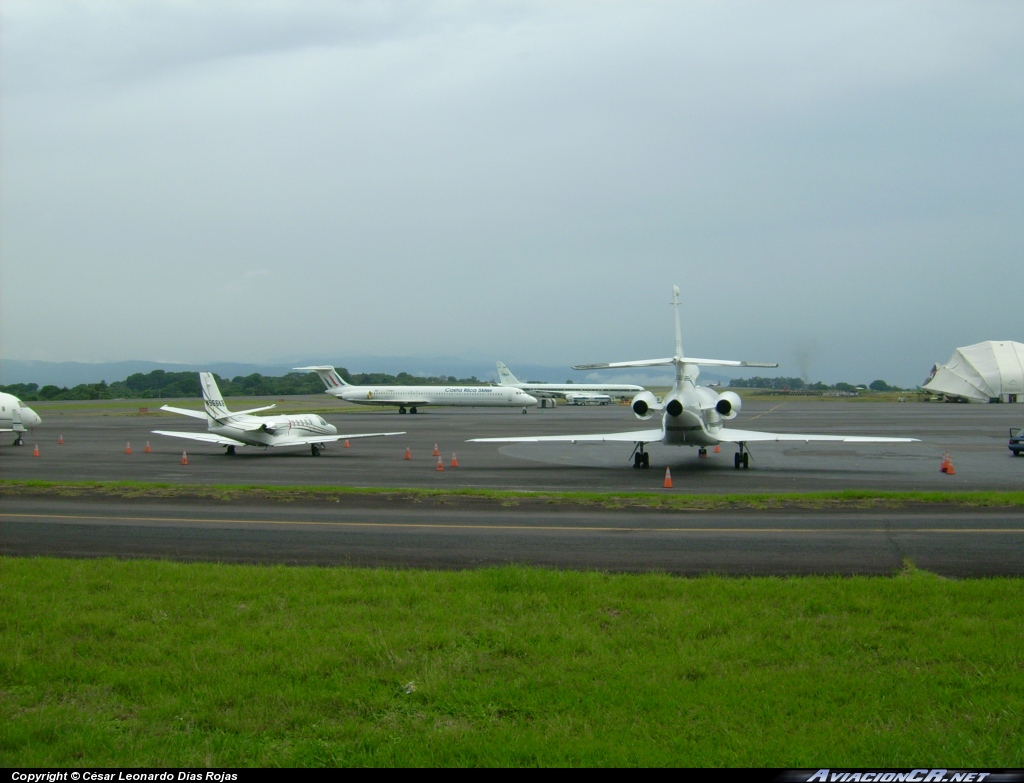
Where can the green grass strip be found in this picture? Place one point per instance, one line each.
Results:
(852, 498)
(142, 663)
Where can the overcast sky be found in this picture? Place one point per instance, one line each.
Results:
(835, 186)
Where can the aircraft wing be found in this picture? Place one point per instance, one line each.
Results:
(330, 438)
(204, 437)
(613, 365)
(185, 412)
(253, 410)
(749, 436)
(637, 436)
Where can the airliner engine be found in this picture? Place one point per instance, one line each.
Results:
(728, 405)
(644, 405)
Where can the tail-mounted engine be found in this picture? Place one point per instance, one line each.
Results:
(644, 405)
(728, 405)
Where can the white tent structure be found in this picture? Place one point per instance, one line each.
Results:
(992, 371)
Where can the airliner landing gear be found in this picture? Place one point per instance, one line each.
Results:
(230, 451)
(742, 457)
(401, 409)
(702, 452)
(19, 441)
(412, 409)
(524, 411)
(315, 449)
(641, 459)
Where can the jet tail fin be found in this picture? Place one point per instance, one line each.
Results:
(212, 399)
(505, 376)
(332, 380)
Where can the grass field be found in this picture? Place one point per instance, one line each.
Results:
(119, 663)
(841, 499)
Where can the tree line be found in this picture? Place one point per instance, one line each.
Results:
(799, 384)
(160, 384)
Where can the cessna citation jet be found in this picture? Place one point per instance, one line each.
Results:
(243, 429)
(692, 415)
(575, 393)
(16, 417)
(413, 397)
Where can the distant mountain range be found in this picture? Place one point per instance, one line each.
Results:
(71, 374)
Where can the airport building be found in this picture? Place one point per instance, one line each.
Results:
(992, 371)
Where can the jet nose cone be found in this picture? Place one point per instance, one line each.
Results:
(29, 417)
(332, 429)
(529, 400)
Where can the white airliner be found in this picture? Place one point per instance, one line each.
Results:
(581, 391)
(16, 417)
(692, 414)
(413, 397)
(243, 429)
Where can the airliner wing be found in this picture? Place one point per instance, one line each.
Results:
(184, 412)
(637, 436)
(204, 437)
(749, 436)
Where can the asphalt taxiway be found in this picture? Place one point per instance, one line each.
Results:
(952, 541)
(975, 436)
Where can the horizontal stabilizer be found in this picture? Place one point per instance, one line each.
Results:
(674, 360)
(185, 412)
(637, 436)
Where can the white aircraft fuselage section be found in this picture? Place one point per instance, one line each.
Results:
(270, 431)
(413, 397)
(622, 391)
(16, 416)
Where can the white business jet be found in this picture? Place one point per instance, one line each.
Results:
(243, 429)
(692, 414)
(581, 393)
(414, 397)
(16, 417)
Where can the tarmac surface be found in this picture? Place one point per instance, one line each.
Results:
(470, 532)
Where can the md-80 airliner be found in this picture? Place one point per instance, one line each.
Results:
(414, 397)
(581, 393)
(692, 414)
(243, 429)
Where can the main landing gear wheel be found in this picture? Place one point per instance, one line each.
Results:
(641, 459)
(315, 449)
(230, 451)
(401, 409)
(741, 458)
(412, 409)
(19, 441)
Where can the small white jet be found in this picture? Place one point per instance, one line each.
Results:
(243, 429)
(692, 414)
(414, 397)
(16, 417)
(584, 393)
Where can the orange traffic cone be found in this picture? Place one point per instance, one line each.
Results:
(60, 441)
(440, 465)
(347, 445)
(128, 449)
(35, 451)
(436, 452)
(408, 453)
(147, 450)
(668, 479)
(455, 460)
(717, 449)
(184, 458)
(947, 465)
